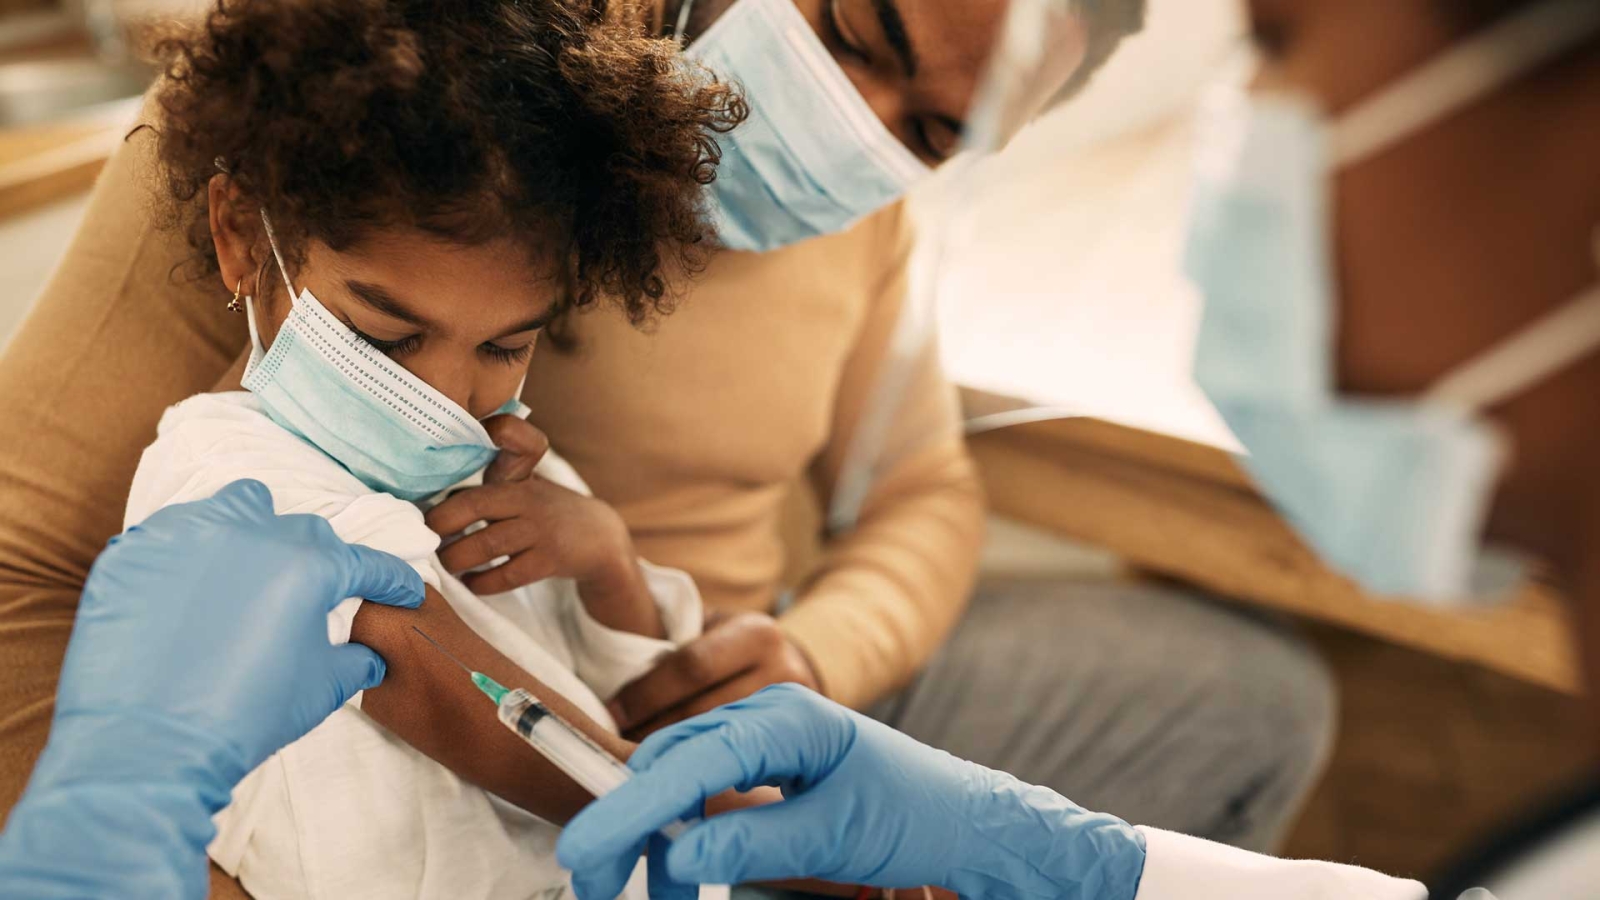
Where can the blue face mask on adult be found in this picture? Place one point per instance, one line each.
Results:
(388, 427)
(1392, 493)
(812, 158)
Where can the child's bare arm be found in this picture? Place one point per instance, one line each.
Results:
(428, 702)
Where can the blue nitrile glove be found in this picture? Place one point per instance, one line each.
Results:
(864, 804)
(200, 648)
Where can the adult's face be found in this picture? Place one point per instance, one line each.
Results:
(811, 160)
(917, 63)
(1460, 235)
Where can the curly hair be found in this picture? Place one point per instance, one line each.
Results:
(549, 122)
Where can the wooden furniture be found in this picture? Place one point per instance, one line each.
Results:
(1186, 511)
(44, 163)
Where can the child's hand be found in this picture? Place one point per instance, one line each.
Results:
(547, 531)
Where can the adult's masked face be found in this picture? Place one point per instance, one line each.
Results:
(852, 101)
(1468, 232)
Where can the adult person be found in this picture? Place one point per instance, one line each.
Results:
(200, 648)
(772, 359)
(1395, 236)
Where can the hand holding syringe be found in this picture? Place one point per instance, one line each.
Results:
(584, 761)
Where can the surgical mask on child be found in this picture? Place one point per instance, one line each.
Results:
(812, 158)
(1393, 494)
(391, 429)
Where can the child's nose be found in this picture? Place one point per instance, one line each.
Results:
(444, 373)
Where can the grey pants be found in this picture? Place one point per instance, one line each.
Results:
(1146, 702)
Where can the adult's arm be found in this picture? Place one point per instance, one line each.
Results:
(886, 594)
(200, 649)
(113, 340)
(867, 803)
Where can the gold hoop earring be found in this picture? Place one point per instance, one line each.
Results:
(234, 305)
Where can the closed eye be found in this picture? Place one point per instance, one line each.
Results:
(507, 355)
(836, 35)
(401, 347)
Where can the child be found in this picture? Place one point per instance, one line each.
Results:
(430, 182)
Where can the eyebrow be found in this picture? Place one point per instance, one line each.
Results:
(386, 303)
(894, 30)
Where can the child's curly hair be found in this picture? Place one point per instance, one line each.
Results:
(551, 122)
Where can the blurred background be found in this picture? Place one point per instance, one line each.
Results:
(1063, 293)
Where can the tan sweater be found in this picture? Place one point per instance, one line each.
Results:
(694, 432)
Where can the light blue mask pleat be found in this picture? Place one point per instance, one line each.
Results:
(389, 429)
(812, 158)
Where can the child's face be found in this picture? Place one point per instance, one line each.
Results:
(464, 319)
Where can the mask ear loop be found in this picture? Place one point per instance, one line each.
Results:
(272, 240)
(1553, 342)
(1501, 54)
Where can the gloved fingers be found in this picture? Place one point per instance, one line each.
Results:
(785, 840)
(778, 732)
(662, 885)
(604, 877)
(246, 496)
(657, 745)
(353, 668)
(380, 578)
(676, 787)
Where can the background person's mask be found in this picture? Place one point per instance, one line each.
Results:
(391, 429)
(1391, 493)
(812, 158)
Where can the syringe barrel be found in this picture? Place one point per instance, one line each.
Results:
(584, 761)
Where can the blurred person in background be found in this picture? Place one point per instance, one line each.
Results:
(771, 361)
(1395, 233)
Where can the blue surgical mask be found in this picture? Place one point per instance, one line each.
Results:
(391, 429)
(1392, 493)
(812, 158)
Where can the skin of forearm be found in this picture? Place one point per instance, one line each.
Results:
(619, 598)
(428, 702)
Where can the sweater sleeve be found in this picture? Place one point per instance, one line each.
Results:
(888, 592)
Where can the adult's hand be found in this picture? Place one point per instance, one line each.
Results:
(863, 804)
(738, 654)
(200, 648)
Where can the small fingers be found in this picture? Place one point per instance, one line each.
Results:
(521, 570)
(490, 502)
(521, 445)
(504, 538)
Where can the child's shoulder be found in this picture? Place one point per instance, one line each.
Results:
(210, 440)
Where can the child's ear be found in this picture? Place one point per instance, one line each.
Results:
(233, 232)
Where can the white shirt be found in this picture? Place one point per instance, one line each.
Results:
(1178, 867)
(350, 810)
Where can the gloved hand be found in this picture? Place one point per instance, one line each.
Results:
(200, 648)
(863, 804)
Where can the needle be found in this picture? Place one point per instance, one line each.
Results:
(441, 649)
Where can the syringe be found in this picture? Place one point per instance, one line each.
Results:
(572, 751)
